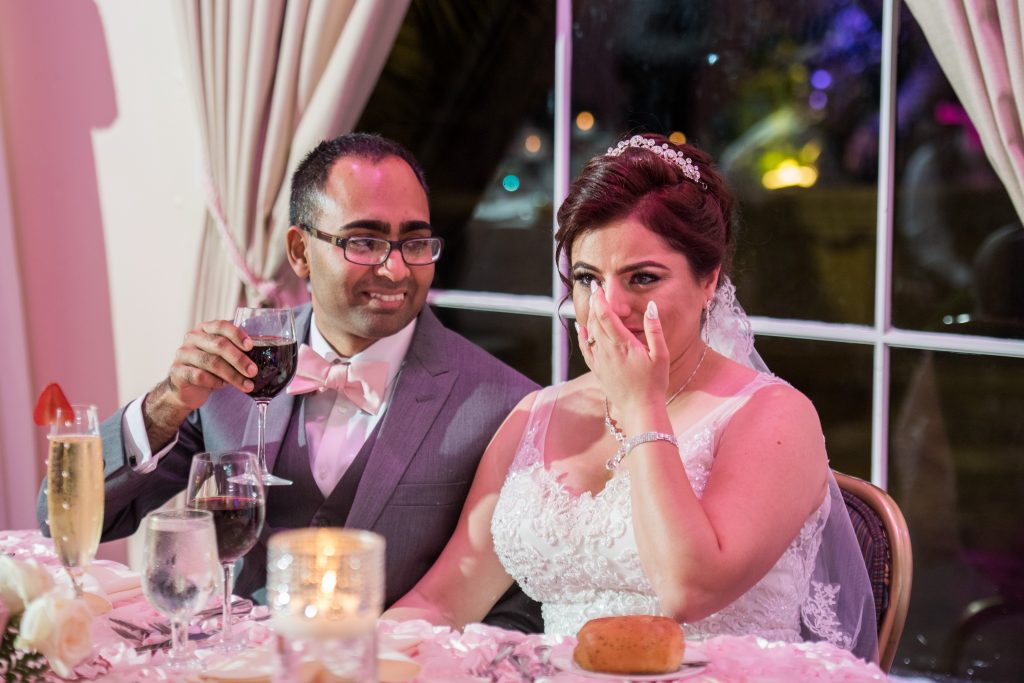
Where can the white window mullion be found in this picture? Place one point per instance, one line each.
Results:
(563, 116)
(883, 249)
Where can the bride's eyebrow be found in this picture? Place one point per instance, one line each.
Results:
(632, 267)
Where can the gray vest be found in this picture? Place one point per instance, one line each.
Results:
(302, 504)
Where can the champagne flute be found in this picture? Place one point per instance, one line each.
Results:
(228, 485)
(179, 572)
(274, 351)
(74, 489)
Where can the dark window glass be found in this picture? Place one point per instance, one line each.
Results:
(522, 341)
(785, 96)
(837, 379)
(467, 88)
(957, 473)
(958, 247)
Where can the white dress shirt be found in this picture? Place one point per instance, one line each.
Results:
(335, 428)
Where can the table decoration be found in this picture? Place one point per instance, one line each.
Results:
(442, 654)
(326, 590)
(44, 626)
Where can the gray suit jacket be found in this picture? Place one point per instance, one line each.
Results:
(416, 468)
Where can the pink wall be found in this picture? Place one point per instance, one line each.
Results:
(56, 87)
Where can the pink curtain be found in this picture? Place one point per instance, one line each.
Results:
(270, 80)
(979, 47)
(19, 479)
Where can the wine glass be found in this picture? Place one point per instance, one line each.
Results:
(74, 488)
(274, 350)
(179, 572)
(228, 486)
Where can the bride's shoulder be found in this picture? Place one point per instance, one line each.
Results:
(772, 399)
(579, 396)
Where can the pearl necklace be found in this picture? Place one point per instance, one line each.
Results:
(619, 435)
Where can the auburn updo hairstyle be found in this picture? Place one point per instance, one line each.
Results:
(696, 218)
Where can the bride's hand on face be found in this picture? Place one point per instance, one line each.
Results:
(627, 369)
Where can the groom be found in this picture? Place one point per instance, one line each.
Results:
(395, 454)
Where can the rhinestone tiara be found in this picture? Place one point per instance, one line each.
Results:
(667, 153)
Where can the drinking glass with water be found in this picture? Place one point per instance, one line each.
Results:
(180, 571)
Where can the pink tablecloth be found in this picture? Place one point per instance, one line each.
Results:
(450, 656)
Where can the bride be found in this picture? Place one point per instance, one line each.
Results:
(678, 476)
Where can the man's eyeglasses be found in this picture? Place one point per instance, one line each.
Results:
(373, 251)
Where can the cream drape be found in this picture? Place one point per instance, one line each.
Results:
(978, 45)
(270, 80)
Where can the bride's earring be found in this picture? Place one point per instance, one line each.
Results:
(706, 323)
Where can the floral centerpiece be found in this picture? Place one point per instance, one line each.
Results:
(42, 627)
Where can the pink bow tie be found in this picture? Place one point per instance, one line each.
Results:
(363, 382)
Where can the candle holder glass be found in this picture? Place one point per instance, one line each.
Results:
(325, 588)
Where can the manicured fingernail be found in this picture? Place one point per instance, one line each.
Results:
(652, 310)
(577, 327)
(593, 286)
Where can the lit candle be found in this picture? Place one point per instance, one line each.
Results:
(325, 584)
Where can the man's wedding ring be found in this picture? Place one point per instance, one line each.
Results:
(591, 341)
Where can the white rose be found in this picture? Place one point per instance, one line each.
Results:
(57, 626)
(21, 582)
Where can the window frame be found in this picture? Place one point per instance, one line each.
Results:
(881, 335)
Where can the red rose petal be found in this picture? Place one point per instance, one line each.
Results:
(49, 402)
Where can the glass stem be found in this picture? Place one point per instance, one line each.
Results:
(229, 582)
(179, 637)
(76, 581)
(261, 427)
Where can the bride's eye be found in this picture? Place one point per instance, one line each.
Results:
(583, 279)
(643, 278)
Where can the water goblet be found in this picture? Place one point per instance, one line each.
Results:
(325, 588)
(274, 351)
(179, 573)
(228, 486)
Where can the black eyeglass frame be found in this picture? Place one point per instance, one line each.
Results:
(392, 244)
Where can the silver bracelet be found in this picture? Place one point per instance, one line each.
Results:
(634, 441)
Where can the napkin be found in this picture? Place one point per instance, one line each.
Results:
(256, 666)
(118, 582)
(111, 580)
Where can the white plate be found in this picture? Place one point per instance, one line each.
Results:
(565, 662)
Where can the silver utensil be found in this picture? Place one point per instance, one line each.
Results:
(490, 670)
(128, 634)
(164, 644)
(238, 606)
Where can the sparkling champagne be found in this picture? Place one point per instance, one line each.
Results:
(74, 491)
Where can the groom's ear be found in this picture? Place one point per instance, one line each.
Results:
(297, 246)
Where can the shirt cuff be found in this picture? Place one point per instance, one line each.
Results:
(137, 450)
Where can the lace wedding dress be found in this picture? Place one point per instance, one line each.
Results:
(577, 554)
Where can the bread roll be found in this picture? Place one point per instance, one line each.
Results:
(635, 644)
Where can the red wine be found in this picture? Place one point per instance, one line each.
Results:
(275, 364)
(237, 521)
